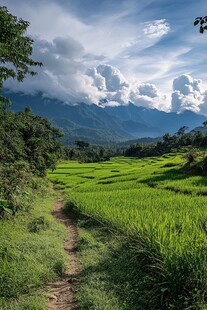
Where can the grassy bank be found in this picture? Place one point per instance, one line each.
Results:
(31, 254)
(156, 207)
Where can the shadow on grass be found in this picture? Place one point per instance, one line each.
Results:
(169, 175)
(201, 182)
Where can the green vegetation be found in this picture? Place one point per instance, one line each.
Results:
(29, 138)
(159, 209)
(15, 48)
(85, 153)
(28, 143)
(160, 261)
(201, 21)
(28, 147)
(31, 254)
(31, 248)
(169, 143)
(108, 269)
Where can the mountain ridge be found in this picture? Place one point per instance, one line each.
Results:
(97, 124)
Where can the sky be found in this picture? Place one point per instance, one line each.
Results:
(112, 52)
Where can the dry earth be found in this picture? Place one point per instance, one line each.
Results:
(62, 292)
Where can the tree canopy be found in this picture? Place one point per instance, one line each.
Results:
(15, 48)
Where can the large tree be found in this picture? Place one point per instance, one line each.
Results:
(23, 136)
(15, 48)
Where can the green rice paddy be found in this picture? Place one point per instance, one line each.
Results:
(158, 208)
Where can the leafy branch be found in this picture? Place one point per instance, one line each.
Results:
(201, 20)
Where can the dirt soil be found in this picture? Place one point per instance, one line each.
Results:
(62, 293)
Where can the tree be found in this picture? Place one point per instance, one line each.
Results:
(15, 48)
(182, 130)
(202, 21)
(81, 144)
(30, 138)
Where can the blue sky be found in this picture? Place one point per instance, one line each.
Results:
(144, 51)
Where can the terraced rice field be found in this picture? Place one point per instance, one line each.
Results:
(157, 207)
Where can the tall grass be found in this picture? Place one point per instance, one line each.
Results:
(159, 209)
(31, 254)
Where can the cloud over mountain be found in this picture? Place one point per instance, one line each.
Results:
(118, 90)
(63, 73)
(134, 49)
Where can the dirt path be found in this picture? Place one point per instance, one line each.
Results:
(62, 293)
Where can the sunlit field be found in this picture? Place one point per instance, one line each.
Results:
(156, 206)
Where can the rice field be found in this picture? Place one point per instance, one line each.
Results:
(158, 208)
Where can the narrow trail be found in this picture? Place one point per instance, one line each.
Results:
(62, 293)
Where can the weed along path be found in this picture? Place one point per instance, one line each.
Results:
(62, 293)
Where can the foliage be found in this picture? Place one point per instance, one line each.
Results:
(31, 138)
(5, 208)
(16, 183)
(15, 48)
(85, 153)
(81, 144)
(28, 146)
(28, 143)
(169, 143)
(191, 156)
(201, 21)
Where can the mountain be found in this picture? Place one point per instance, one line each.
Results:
(164, 122)
(202, 129)
(96, 124)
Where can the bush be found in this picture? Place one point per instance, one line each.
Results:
(6, 208)
(15, 184)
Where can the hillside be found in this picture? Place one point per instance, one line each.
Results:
(105, 125)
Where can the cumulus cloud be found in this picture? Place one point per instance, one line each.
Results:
(203, 106)
(149, 90)
(106, 37)
(119, 91)
(69, 40)
(188, 94)
(113, 77)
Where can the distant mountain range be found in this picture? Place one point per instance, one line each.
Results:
(96, 124)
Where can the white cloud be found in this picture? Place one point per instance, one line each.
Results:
(150, 97)
(203, 106)
(187, 94)
(156, 29)
(113, 77)
(149, 90)
(118, 89)
(63, 74)
(68, 44)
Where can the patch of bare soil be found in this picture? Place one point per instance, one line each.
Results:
(62, 293)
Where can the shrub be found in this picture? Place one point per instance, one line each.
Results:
(6, 208)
